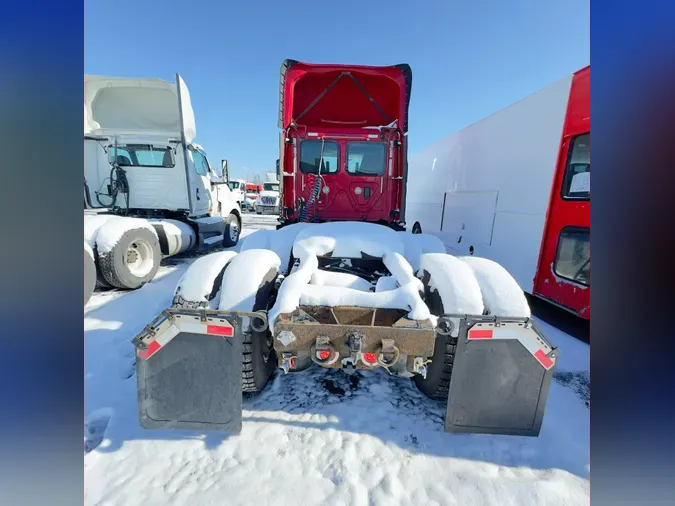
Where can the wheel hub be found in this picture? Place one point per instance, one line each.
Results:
(139, 258)
(132, 254)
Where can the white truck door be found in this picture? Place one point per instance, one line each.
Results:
(204, 201)
(196, 169)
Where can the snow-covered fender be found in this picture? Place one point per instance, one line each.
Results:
(199, 287)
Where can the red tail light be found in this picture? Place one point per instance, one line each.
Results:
(323, 355)
(370, 358)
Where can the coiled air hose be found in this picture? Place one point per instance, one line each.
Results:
(308, 211)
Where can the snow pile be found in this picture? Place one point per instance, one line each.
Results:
(502, 295)
(418, 244)
(92, 224)
(110, 232)
(349, 240)
(386, 283)
(243, 278)
(280, 241)
(260, 239)
(455, 282)
(402, 298)
(340, 279)
(197, 284)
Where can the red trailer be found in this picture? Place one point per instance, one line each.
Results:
(515, 187)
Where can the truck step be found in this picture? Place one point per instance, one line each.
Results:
(214, 239)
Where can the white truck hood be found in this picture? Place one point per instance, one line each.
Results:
(129, 106)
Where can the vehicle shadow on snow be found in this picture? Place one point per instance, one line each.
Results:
(391, 410)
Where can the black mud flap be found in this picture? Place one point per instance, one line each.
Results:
(189, 378)
(501, 376)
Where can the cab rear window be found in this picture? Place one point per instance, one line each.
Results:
(319, 154)
(366, 158)
(141, 155)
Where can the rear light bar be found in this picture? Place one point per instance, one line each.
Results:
(172, 322)
(521, 332)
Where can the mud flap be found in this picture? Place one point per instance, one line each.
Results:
(501, 376)
(187, 377)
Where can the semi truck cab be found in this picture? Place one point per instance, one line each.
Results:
(343, 143)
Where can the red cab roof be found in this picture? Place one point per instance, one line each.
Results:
(333, 95)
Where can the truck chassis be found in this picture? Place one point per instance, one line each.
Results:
(494, 371)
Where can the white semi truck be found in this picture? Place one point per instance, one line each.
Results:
(149, 190)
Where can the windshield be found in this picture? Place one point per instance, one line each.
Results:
(366, 158)
(234, 185)
(271, 187)
(141, 155)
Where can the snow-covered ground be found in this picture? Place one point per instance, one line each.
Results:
(319, 437)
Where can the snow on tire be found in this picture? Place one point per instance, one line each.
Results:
(200, 285)
(417, 244)
(247, 286)
(89, 273)
(502, 296)
(132, 261)
(449, 287)
(455, 282)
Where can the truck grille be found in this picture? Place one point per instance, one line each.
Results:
(268, 201)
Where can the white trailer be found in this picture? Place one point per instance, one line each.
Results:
(149, 190)
(510, 188)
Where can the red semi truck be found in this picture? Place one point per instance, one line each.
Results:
(341, 285)
(354, 119)
(515, 188)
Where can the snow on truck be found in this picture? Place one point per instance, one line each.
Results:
(149, 190)
(515, 188)
(341, 284)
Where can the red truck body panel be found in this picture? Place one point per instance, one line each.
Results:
(346, 123)
(568, 215)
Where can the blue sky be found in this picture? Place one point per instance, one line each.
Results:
(469, 59)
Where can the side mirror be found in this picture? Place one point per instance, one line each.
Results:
(226, 174)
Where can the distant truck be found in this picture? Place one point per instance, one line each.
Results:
(238, 189)
(252, 194)
(515, 188)
(268, 203)
(149, 190)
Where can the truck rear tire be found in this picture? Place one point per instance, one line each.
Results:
(89, 273)
(133, 261)
(232, 231)
(461, 289)
(437, 383)
(259, 358)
